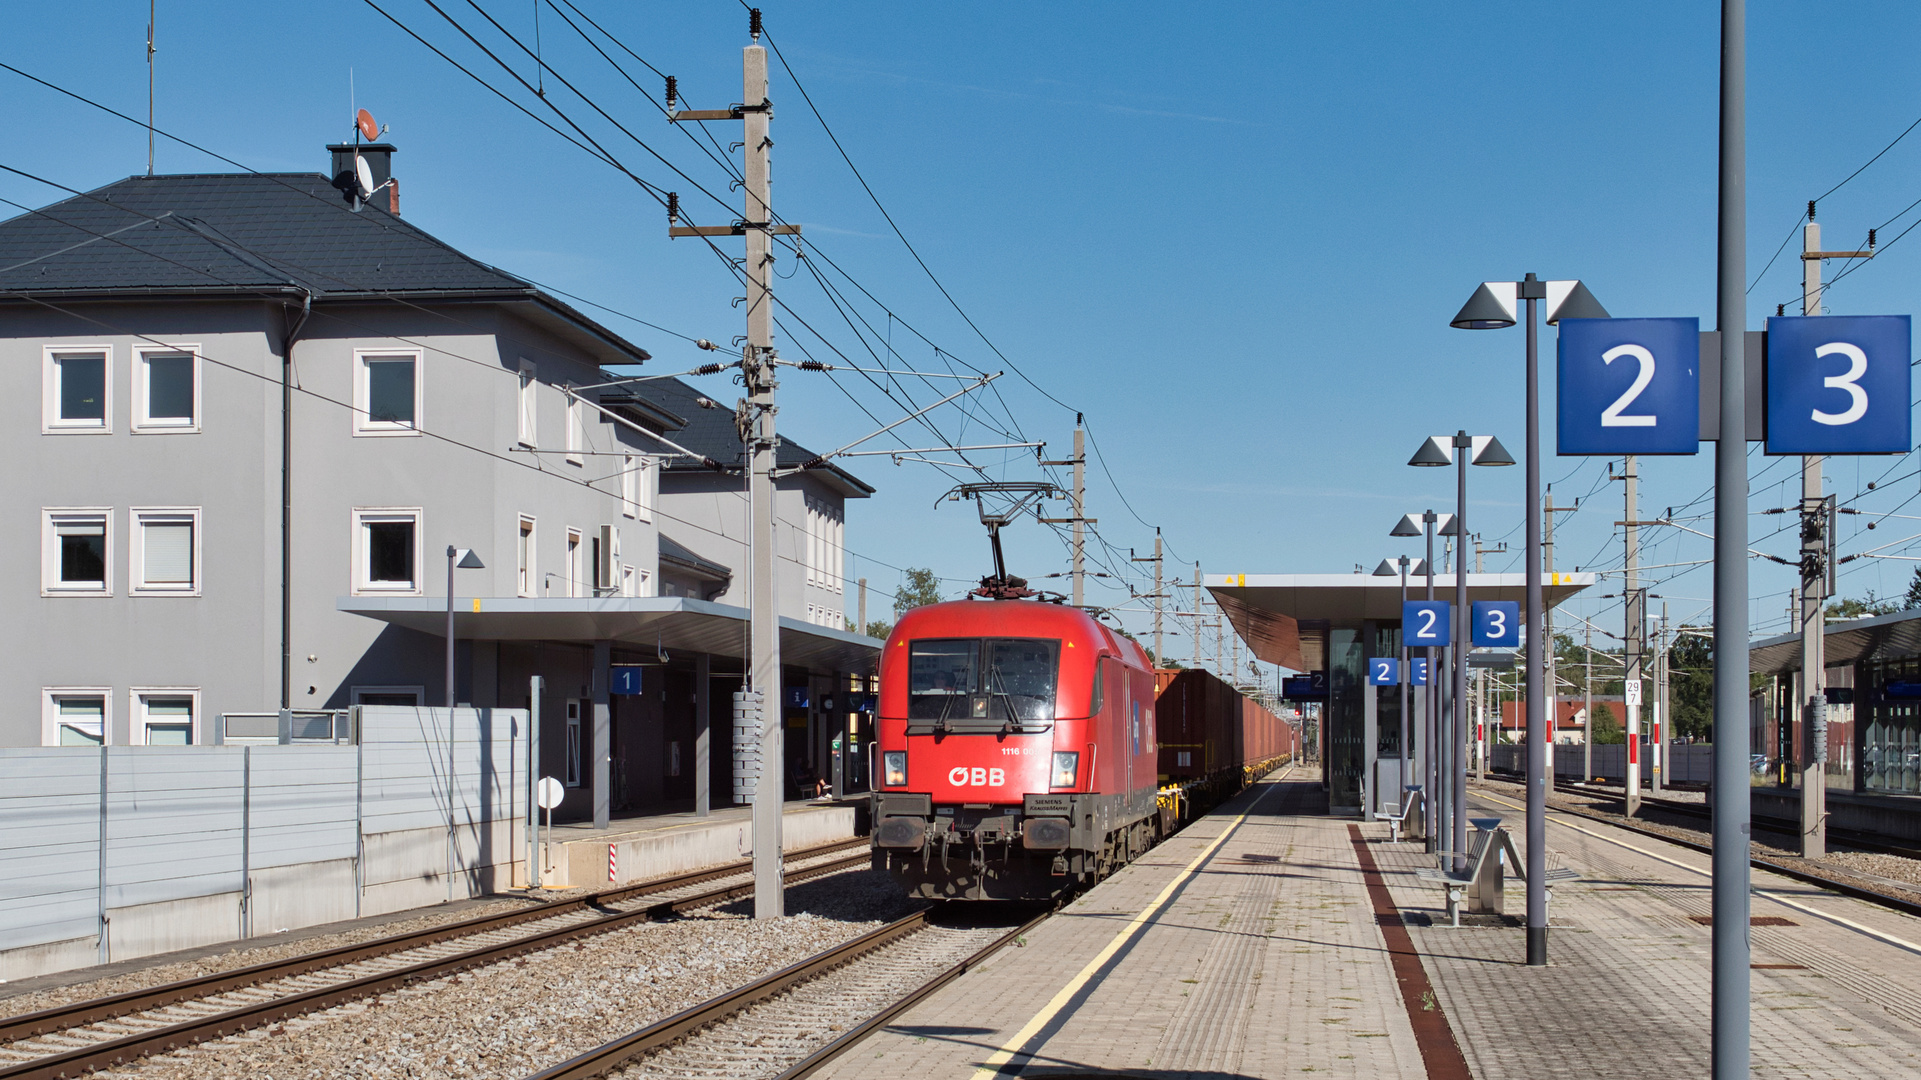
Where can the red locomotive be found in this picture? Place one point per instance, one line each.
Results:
(1016, 755)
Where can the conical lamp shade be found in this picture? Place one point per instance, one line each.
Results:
(1419, 569)
(1493, 453)
(1386, 569)
(1435, 451)
(1580, 304)
(1409, 526)
(1448, 527)
(1485, 311)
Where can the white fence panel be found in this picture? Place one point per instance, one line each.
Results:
(302, 804)
(50, 837)
(406, 768)
(174, 822)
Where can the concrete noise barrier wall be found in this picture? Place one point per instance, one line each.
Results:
(111, 853)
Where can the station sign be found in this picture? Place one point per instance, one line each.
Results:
(1629, 386)
(1383, 671)
(1839, 384)
(1311, 685)
(1426, 623)
(1417, 671)
(626, 679)
(1497, 623)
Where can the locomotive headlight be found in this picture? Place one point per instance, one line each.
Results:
(1067, 767)
(894, 768)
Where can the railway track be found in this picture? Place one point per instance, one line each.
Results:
(1787, 866)
(790, 1023)
(70, 1040)
(1683, 808)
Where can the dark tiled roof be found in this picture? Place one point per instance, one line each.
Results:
(673, 551)
(221, 234)
(711, 432)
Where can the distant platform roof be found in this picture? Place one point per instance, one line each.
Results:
(675, 623)
(1266, 609)
(1878, 637)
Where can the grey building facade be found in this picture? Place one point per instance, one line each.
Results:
(252, 415)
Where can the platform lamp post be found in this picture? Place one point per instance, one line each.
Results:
(1460, 450)
(463, 559)
(1423, 525)
(1494, 307)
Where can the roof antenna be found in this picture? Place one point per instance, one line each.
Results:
(152, 10)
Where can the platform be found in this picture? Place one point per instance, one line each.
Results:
(576, 855)
(1250, 945)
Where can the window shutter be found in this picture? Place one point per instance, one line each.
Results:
(169, 552)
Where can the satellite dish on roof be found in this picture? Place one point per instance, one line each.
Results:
(363, 176)
(368, 129)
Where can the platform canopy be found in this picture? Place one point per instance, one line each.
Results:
(1267, 609)
(673, 623)
(1878, 637)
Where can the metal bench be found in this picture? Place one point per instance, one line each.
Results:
(1481, 882)
(1396, 814)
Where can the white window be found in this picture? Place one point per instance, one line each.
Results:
(164, 555)
(389, 695)
(630, 479)
(74, 546)
(74, 716)
(387, 393)
(575, 578)
(570, 760)
(164, 716)
(529, 580)
(387, 551)
(811, 559)
(166, 388)
(576, 431)
(77, 390)
(529, 430)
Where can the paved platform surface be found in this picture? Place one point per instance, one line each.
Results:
(1249, 946)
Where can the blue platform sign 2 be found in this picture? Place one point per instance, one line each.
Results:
(1497, 623)
(1839, 384)
(1425, 623)
(1417, 671)
(1383, 671)
(626, 679)
(1629, 386)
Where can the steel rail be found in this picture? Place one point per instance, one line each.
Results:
(1858, 892)
(119, 1051)
(1762, 822)
(61, 1017)
(656, 1036)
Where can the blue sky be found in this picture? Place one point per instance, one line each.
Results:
(1231, 235)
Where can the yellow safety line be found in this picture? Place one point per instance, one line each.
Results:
(1777, 898)
(992, 1066)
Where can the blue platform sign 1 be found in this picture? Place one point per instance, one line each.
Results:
(1383, 671)
(1497, 623)
(1417, 671)
(1425, 623)
(1629, 386)
(1839, 384)
(626, 679)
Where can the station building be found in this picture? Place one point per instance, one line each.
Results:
(251, 415)
(1332, 624)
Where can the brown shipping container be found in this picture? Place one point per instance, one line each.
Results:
(1206, 727)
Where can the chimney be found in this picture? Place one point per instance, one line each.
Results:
(379, 158)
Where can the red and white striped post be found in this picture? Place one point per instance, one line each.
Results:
(613, 862)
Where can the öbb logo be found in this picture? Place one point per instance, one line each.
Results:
(962, 776)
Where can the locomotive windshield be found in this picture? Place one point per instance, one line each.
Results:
(982, 684)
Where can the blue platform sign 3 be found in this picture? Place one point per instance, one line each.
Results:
(1417, 671)
(1425, 623)
(1383, 671)
(1838, 384)
(1629, 386)
(626, 679)
(1497, 623)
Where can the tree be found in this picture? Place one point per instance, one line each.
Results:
(878, 628)
(1850, 608)
(1691, 685)
(1913, 599)
(921, 588)
(1605, 727)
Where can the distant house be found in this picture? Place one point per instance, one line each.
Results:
(1570, 717)
(251, 417)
